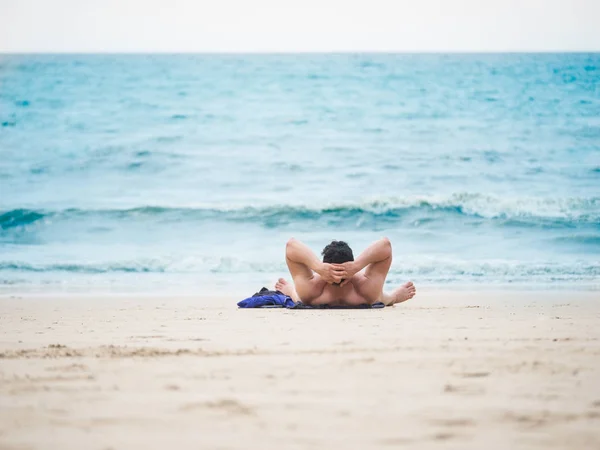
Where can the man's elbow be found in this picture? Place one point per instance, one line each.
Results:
(387, 245)
(291, 243)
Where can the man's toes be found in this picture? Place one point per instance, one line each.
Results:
(281, 281)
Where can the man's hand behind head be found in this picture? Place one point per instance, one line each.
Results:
(331, 273)
(348, 269)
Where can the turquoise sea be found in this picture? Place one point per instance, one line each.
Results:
(190, 172)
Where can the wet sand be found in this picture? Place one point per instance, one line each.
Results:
(448, 369)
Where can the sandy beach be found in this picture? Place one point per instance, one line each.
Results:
(448, 369)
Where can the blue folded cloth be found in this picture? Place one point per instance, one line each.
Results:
(275, 299)
(270, 299)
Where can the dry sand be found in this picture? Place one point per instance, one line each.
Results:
(448, 369)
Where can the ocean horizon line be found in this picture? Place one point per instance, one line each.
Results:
(303, 52)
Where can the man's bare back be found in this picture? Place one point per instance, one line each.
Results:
(339, 279)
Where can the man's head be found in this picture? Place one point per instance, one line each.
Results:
(338, 252)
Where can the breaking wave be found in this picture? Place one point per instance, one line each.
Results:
(511, 212)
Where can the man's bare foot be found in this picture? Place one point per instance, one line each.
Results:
(404, 292)
(286, 288)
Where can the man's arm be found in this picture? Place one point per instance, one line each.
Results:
(302, 262)
(377, 258)
(378, 252)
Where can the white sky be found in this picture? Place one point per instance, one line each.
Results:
(298, 25)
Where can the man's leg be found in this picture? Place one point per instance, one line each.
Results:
(376, 272)
(287, 288)
(399, 295)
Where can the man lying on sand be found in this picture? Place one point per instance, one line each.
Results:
(338, 280)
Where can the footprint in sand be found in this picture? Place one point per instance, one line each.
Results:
(230, 406)
(464, 389)
(473, 374)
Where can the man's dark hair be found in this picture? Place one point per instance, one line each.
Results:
(338, 252)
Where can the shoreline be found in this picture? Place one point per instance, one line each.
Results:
(217, 291)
